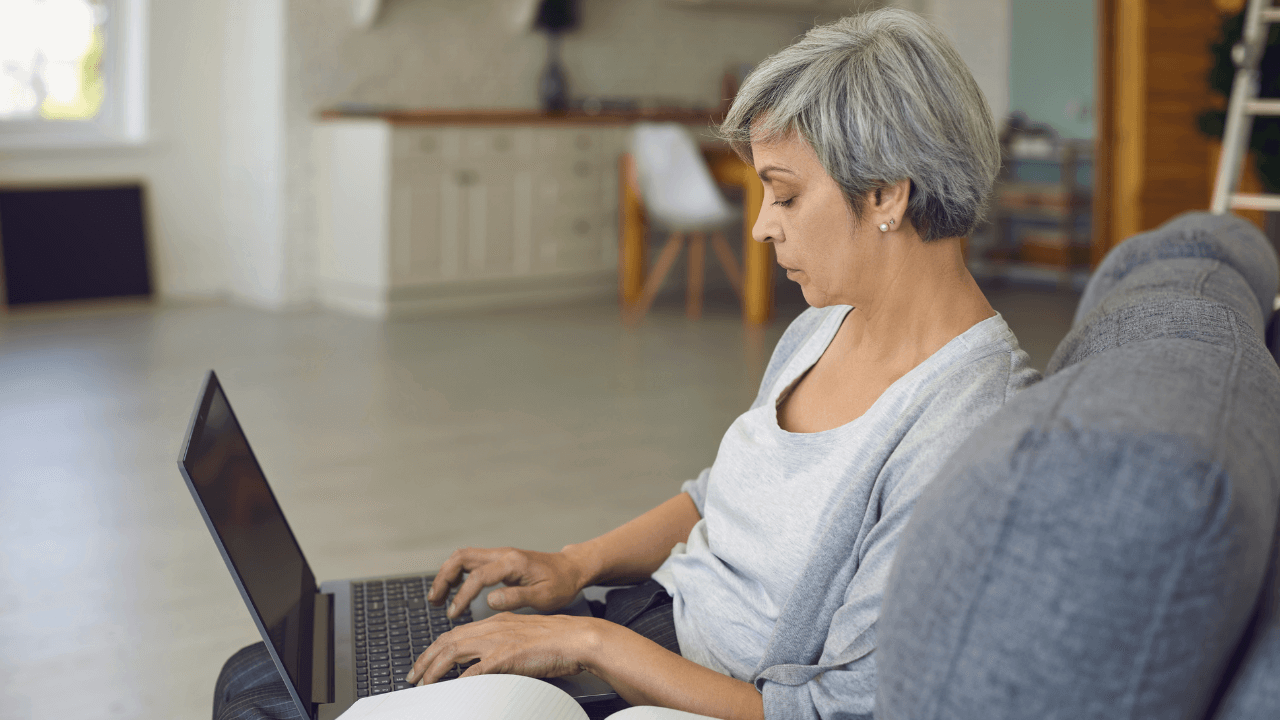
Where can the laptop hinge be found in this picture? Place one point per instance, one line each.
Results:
(322, 650)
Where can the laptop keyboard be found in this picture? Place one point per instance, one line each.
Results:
(393, 624)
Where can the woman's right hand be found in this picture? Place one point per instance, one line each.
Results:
(543, 581)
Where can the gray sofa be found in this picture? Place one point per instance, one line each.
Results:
(1106, 545)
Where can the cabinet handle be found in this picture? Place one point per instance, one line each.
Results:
(582, 168)
(466, 177)
(582, 227)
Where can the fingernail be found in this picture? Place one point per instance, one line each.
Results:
(495, 599)
(451, 608)
(409, 678)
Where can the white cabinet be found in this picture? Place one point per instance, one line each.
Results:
(421, 217)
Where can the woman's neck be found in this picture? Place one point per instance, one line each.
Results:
(925, 299)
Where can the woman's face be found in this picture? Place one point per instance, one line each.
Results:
(818, 240)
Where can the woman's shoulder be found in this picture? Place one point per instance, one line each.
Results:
(984, 369)
(981, 370)
(989, 356)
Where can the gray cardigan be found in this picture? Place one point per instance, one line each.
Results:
(818, 661)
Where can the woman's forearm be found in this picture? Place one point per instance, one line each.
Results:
(634, 551)
(644, 673)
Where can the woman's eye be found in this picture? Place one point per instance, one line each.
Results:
(784, 203)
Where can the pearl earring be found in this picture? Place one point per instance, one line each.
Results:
(884, 226)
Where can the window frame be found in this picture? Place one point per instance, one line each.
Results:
(123, 118)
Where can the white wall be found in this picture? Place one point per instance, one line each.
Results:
(253, 153)
(1052, 63)
(179, 164)
(981, 31)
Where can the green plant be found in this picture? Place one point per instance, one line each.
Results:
(1265, 138)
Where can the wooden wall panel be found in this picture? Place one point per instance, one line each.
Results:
(1152, 161)
(1104, 133)
(1178, 34)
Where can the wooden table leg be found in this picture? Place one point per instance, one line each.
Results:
(632, 227)
(693, 286)
(757, 257)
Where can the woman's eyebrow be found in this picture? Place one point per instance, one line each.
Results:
(764, 171)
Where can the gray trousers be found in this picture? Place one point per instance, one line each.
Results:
(249, 686)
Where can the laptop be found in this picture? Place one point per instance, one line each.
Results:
(335, 642)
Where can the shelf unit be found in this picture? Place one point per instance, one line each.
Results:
(1038, 229)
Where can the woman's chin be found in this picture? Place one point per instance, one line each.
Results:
(813, 297)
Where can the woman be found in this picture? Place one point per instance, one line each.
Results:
(760, 582)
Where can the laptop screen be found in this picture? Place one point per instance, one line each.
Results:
(255, 540)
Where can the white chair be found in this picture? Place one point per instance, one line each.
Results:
(682, 198)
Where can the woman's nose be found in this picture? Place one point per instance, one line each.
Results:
(764, 229)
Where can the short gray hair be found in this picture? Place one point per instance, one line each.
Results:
(881, 96)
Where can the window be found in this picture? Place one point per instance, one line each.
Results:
(72, 72)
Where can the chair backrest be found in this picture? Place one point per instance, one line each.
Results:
(675, 184)
(1105, 545)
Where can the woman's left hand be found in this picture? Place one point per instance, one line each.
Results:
(532, 645)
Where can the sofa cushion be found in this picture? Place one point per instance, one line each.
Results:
(1098, 548)
(1229, 239)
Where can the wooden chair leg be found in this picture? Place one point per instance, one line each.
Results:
(631, 233)
(728, 262)
(697, 263)
(653, 283)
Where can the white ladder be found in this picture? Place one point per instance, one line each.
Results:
(1242, 109)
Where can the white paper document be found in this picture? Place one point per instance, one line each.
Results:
(491, 697)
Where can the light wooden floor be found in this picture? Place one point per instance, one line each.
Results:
(388, 445)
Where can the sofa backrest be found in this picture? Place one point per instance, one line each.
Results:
(1273, 335)
(1104, 546)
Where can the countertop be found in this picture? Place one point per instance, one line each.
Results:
(503, 117)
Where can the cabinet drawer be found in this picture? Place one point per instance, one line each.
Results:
(427, 143)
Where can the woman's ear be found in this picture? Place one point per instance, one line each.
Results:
(891, 200)
(887, 205)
